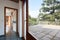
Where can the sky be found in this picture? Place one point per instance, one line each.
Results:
(34, 6)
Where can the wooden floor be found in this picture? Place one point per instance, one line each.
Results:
(13, 36)
(10, 36)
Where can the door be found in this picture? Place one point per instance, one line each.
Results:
(10, 20)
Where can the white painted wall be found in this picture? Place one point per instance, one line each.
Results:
(6, 3)
(14, 19)
(25, 20)
(20, 19)
(14, 27)
(8, 12)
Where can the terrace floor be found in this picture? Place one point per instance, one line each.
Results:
(45, 32)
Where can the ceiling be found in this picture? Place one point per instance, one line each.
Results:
(17, 1)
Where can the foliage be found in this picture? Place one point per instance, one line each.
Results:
(57, 15)
(47, 6)
(53, 5)
(50, 17)
(32, 21)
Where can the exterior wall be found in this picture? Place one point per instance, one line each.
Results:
(5, 3)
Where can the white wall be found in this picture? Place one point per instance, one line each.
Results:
(14, 19)
(25, 20)
(5, 3)
(20, 19)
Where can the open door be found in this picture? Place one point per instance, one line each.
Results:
(10, 21)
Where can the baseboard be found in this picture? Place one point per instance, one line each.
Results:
(2, 35)
(22, 38)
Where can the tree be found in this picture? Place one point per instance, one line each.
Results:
(32, 21)
(57, 15)
(49, 5)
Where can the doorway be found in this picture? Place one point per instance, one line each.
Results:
(10, 21)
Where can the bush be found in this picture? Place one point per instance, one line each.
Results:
(32, 21)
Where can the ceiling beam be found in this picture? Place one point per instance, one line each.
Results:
(17, 1)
